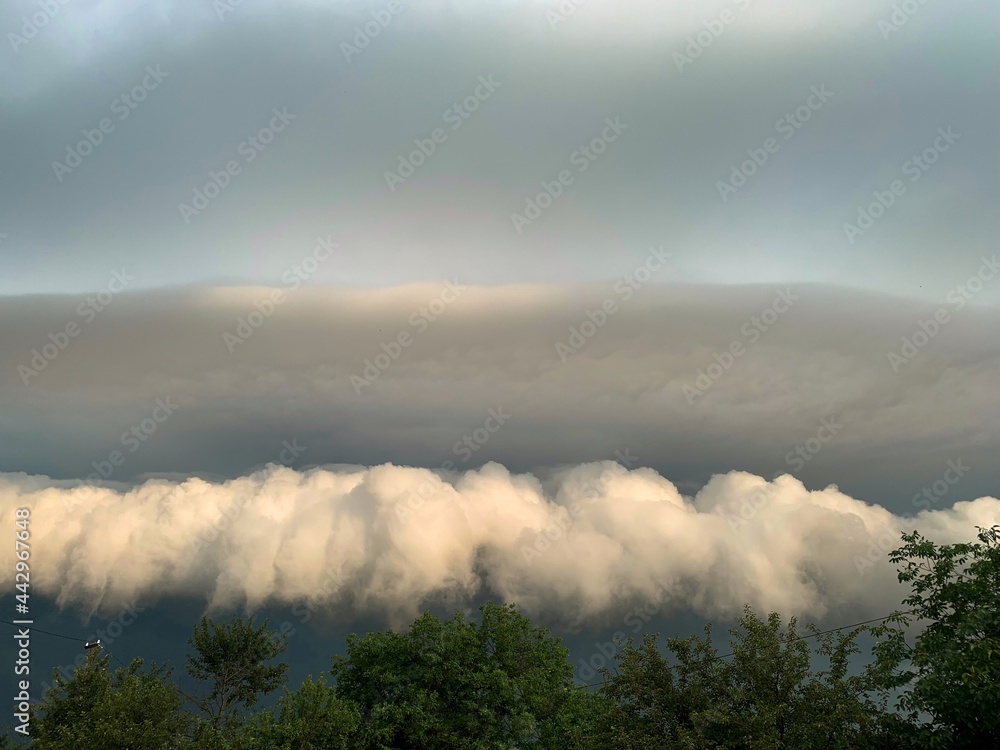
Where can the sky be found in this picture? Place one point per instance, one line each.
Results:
(567, 304)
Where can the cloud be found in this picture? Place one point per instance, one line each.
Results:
(581, 545)
(657, 183)
(622, 384)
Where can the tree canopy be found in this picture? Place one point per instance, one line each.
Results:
(951, 669)
(496, 681)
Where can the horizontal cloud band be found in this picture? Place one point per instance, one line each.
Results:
(579, 544)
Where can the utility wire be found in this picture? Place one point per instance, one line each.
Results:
(39, 630)
(790, 640)
(834, 630)
(581, 687)
(67, 637)
(115, 657)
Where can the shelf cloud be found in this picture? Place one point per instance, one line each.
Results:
(585, 543)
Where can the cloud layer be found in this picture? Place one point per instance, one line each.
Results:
(576, 390)
(584, 543)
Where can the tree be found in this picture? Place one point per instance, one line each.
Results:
(455, 684)
(578, 722)
(765, 695)
(657, 704)
(951, 672)
(314, 717)
(232, 659)
(93, 710)
(6, 737)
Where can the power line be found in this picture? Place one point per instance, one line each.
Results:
(580, 687)
(115, 657)
(67, 637)
(47, 632)
(834, 630)
(790, 640)
(592, 684)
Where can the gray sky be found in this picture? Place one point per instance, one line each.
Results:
(699, 233)
(656, 184)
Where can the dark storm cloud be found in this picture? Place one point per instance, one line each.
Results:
(693, 379)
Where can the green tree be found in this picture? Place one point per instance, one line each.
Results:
(657, 703)
(231, 658)
(9, 738)
(460, 685)
(579, 722)
(951, 670)
(313, 717)
(133, 709)
(766, 695)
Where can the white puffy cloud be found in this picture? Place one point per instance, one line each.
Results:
(579, 546)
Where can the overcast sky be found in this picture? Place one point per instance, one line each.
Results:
(737, 247)
(688, 125)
